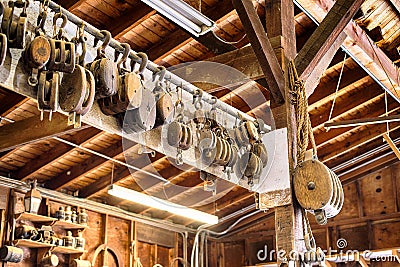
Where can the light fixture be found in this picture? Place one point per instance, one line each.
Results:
(32, 199)
(183, 15)
(161, 204)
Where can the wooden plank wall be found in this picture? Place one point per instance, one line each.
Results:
(154, 245)
(370, 219)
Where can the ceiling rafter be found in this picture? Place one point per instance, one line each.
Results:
(55, 154)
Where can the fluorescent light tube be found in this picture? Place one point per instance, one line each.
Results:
(161, 204)
(183, 15)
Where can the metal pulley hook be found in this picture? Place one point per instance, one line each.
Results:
(161, 73)
(80, 39)
(143, 64)
(64, 19)
(106, 41)
(197, 96)
(125, 55)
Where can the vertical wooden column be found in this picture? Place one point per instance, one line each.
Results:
(281, 29)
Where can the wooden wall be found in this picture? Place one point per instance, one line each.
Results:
(370, 219)
(154, 245)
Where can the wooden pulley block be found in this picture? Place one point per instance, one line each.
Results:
(77, 91)
(14, 28)
(261, 151)
(105, 72)
(174, 133)
(142, 118)
(249, 166)
(187, 137)
(241, 136)
(233, 156)
(179, 135)
(207, 139)
(37, 52)
(3, 48)
(48, 92)
(129, 96)
(208, 156)
(62, 56)
(313, 185)
(165, 109)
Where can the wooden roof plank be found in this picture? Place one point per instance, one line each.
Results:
(54, 154)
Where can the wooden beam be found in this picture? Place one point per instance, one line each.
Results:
(32, 129)
(262, 48)
(362, 136)
(130, 18)
(392, 145)
(53, 155)
(70, 4)
(361, 47)
(13, 100)
(317, 72)
(325, 35)
(323, 138)
(280, 24)
(360, 122)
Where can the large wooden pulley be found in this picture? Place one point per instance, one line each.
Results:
(62, 56)
(313, 185)
(129, 96)
(164, 108)
(37, 53)
(77, 91)
(106, 75)
(3, 48)
(142, 118)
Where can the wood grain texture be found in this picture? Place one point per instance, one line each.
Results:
(312, 185)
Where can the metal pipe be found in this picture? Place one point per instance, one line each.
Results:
(363, 156)
(112, 159)
(177, 81)
(96, 206)
(360, 122)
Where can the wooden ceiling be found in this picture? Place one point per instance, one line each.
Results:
(351, 152)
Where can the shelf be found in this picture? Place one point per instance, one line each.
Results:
(35, 218)
(31, 244)
(67, 250)
(69, 226)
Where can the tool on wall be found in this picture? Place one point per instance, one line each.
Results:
(48, 92)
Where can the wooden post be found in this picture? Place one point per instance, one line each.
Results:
(288, 219)
(281, 32)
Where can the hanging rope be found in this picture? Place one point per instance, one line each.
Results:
(304, 136)
(303, 122)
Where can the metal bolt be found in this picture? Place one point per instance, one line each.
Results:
(311, 186)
